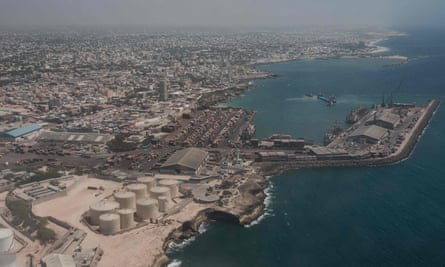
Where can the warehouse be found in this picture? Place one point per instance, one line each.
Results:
(187, 161)
(325, 153)
(384, 119)
(21, 132)
(368, 134)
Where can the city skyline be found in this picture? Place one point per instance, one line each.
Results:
(219, 13)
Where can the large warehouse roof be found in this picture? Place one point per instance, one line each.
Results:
(27, 129)
(373, 131)
(389, 117)
(190, 158)
(385, 116)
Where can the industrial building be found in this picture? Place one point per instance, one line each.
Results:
(72, 137)
(296, 144)
(38, 192)
(385, 119)
(187, 161)
(272, 156)
(21, 132)
(368, 134)
(58, 260)
(324, 153)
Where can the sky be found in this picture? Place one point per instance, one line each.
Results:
(226, 13)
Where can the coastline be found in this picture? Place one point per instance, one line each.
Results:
(245, 215)
(251, 213)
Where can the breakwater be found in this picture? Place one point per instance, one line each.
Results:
(272, 168)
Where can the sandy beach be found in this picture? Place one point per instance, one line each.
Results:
(376, 48)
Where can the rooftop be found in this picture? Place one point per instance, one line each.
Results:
(189, 158)
(24, 130)
(371, 131)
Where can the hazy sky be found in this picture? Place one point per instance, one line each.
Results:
(222, 12)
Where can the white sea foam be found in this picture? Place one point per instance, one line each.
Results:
(268, 212)
(175, 263)
(203, 228)
(176, 247)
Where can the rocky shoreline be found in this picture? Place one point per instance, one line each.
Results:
(249, 205)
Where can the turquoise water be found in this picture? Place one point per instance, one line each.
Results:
(381, 216)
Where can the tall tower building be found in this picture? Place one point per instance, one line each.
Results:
(163, 90)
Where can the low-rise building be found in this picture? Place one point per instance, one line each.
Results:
(187, 161)
(368, 134)
(23, 131)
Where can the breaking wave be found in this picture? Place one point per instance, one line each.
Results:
(268, 212)
(175, 263)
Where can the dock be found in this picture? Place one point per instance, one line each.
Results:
(394, 146)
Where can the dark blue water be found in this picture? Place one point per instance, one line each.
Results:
(381, 216)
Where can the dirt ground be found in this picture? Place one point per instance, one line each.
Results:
(137, 247)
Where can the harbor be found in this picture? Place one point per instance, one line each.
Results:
(365, 143)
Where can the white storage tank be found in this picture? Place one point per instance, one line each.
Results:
(172, 184)
(126, 199)
(6, 238)
(109, 223)
(147, 208)
(8, 260)
(148, 181)
(160, 191)
(101, 207)
(139, 189)
(163, 204)
(126, 218)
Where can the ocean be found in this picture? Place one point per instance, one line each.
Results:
(370, 216)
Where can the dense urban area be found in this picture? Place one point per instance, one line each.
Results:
(117, 143)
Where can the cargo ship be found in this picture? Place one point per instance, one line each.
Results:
(330, 100)
(355, 115)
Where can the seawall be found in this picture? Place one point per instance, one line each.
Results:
(272, 168)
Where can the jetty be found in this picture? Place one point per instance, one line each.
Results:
(366, 143)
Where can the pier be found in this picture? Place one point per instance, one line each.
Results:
(395, 145)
